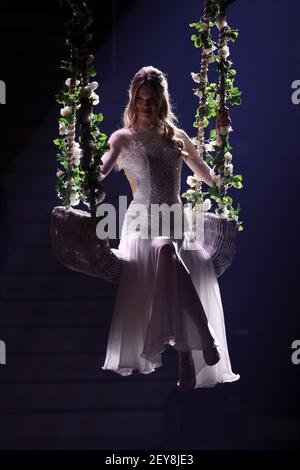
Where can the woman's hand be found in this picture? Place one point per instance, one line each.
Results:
(194, 162)
(110, 157)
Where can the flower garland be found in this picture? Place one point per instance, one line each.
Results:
(79, 160)
(213, 97)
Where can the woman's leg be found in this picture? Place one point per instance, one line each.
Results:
(193, 305)
(187, 378)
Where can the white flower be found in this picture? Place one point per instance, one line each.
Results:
(221, 22)
(74, 199)
(198, 92)
(62, 128)
(77, 153)
(94, 85)
(195, 141)
(66, 111)
(235, 217)
(190, 191)
(218, 179)
(90, 58)
(95, 98)
(68, 82)
(59, 173)
(228, 169)
(88, 90)
(95, 133)
(192, 181)
(228, 156)
(196, 77)
(76, 158)
(206, 204)
(218, 98)
(224, 52)
(223, 211)
(209, 147)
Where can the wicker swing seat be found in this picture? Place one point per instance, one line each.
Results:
(76, 245)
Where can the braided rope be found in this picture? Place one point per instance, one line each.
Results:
(203, 83)
(73, 232)
(219, 234)
(222, 42)
(71, 138)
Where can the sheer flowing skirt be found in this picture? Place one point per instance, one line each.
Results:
(150, 311)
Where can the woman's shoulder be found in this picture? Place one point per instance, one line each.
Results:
(180, 133)
(120, 136)
(121, 133)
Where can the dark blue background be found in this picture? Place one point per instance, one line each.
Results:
(259, 291)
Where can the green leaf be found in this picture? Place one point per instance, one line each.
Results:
(227, 199)
(234, 91)
(198, 26)
(92, 73)
(213, 134)
(213, 191)
(231, 72)
(63, 120)
(234, 100)
(98, 117)
(198, 43)
(232, 34)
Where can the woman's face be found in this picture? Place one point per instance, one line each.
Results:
(146, 105)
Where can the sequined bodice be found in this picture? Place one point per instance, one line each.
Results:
(155, 164)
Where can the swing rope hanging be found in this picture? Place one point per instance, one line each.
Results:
(73, 232)
(220, 231)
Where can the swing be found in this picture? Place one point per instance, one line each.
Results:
(73, 232)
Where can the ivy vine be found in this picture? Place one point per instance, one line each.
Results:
(213, 97)
(79, 161)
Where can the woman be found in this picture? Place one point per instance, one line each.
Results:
(168, 293)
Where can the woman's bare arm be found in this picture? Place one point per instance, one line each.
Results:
(195, 163)
(110, 157)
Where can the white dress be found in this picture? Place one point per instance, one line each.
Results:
(150, 310)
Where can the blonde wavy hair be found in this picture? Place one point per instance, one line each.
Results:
(154, 78)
